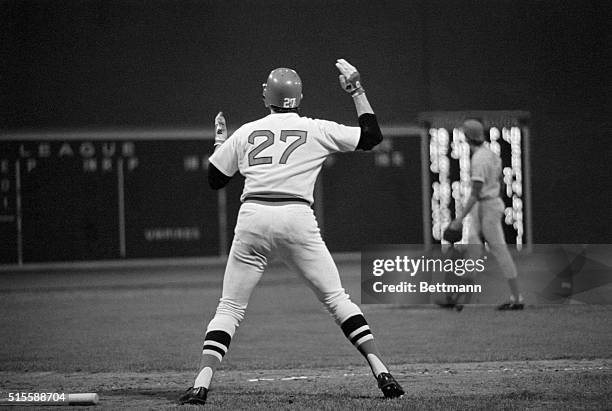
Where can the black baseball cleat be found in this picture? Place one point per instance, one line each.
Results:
(388, 385)
(194, 396)
(510, 306)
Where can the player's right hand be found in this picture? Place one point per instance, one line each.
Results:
(220, 129)
(350, 79)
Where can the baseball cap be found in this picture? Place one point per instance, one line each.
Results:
(473, 131)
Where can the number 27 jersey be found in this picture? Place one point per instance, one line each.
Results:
(280, 155)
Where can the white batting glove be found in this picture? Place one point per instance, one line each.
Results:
(349, 78)
(220, 129)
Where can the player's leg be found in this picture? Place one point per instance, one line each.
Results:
(456, 300)
(243, 271)
(311, 259)
(492, 213)
(475, 247)
(316, 266)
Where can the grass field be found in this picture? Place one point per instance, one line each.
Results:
(134, 336)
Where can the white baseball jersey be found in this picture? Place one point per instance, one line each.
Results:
(280, 155)
(486, 168)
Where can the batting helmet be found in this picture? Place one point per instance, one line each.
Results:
(283, 89)
(473, 131)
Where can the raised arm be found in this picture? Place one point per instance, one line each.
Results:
(216, 179)
(350, 81)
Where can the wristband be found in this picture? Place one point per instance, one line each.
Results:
(357, 92)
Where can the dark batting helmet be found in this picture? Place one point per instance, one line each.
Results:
(473, 131)
(283, 89)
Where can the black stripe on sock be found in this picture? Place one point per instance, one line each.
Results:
(214, 348)
(353, 323)
(358, 336)
(219, 336)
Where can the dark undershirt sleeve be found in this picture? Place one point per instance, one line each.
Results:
(370, 132)
(216, 179)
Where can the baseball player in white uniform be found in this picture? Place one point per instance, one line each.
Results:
(487, 208)
(280, 156)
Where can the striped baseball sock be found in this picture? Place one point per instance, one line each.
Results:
(357, 330)
(216, 344)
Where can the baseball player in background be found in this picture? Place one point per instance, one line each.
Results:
(280, 156)
(487, 209)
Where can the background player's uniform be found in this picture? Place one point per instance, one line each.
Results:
(487, 213)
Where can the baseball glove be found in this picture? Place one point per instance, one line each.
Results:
(453, 236)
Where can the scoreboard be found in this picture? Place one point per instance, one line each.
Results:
(103, 196)
(507, 134)
(100, 196)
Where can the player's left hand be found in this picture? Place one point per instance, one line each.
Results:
(220, 129)
(350, 79)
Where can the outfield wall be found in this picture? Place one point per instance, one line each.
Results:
(134, 195)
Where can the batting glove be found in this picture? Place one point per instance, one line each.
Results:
(220, 129)
(349, 78)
